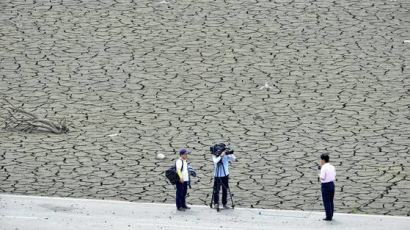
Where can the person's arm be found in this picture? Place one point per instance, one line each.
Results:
(179, 172)
(322, 173)
(231, 157)
(217, 159)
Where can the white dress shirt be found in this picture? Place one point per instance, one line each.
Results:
(327, 173)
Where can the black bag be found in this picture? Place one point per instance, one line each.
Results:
(172, 174)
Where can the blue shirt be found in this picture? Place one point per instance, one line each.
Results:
(223, 170)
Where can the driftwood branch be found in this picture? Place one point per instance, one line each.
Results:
(18, 119)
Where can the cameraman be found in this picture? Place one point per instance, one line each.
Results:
(221, 177)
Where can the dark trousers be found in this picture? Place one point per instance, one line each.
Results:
(218, 182)
(182, 189)
(328, 193)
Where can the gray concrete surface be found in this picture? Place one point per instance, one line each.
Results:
(169, 74)
(30, 213)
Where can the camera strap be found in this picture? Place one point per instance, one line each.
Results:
(218, 167)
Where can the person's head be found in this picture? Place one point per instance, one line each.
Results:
(324, 158)
(184, 153)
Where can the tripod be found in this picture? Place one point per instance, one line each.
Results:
(218, 169)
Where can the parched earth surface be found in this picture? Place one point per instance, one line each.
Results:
(282, 81)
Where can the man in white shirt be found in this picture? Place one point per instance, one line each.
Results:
(182, 184)
(327, 177)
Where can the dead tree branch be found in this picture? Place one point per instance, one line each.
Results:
(18, 119)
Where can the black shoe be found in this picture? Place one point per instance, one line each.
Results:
(181, 209)
(326, 219)
(217, 207)
(186, 207)
(226, 206)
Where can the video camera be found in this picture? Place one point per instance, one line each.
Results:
(219, 148)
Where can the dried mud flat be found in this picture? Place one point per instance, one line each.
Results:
(283, 81)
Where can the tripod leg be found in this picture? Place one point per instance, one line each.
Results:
(228, 189)
(230, 194)
(212, 199)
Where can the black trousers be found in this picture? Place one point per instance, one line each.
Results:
(218, 182)
(328, 193)
(182, 189)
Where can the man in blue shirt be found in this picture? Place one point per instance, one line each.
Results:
(221, 177)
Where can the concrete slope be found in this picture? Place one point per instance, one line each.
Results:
(50, 213)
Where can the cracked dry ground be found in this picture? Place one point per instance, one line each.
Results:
(165, 75)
